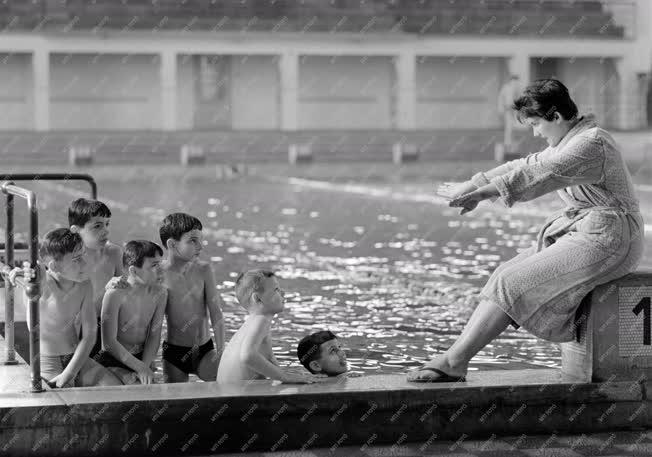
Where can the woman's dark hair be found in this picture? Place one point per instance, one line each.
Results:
(543, 98)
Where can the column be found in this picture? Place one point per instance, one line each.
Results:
(41, 78)
(289, 85)
(169, 90)
(519, 65)
(628, 103)
(405, 90)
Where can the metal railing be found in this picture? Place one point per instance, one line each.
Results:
(32, 288)
(53, 177)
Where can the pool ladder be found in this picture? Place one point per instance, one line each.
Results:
(31, 287)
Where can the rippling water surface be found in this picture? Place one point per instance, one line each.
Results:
(395, 274)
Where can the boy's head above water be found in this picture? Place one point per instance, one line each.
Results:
(181, 234)
(322, 353)
(90, 218)
(142, 260)
(63, 252)
(258, 291)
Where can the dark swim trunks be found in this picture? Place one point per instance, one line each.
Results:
(106, 359)
(97, 347)
(186, 358)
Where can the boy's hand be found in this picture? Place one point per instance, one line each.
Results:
(58, 381)
(26, 271)
(145, 375)
(117, 282)
(350, 374)
(300, 377)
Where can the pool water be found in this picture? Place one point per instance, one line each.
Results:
(394, 273)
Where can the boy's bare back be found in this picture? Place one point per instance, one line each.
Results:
(231, 368)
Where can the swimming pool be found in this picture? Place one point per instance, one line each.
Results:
(393, 271)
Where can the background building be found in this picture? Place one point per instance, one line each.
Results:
(313, 65)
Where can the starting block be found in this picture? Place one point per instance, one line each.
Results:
(614, 333)
(404, 152)
(192, 154)
(299, 153)
(80, 155)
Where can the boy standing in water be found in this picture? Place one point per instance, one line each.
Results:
(66, 303)
(132, 317)
(193, 297)
(90, 218)
(249, 354)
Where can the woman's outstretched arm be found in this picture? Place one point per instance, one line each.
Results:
(580, 162)
(482, 178)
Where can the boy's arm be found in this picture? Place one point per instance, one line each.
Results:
(250, 353)
(267, 341)
(110, 311)
(154, 336)
(89, 333)
(214, 304)
(117, 260)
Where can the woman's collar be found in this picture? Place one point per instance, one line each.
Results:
(583, 122)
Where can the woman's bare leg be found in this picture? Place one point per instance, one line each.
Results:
(486, 323)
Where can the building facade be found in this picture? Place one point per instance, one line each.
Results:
(391, 75)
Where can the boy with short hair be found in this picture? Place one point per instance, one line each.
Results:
(66, 302)
(90, 218)
(249, 355)
(321, 352)
(132, 317)
(193, 296)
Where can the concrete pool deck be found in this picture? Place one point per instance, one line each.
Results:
(206, 418)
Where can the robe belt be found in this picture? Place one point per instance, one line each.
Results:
(574, 214)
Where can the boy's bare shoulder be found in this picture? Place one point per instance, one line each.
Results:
(112, 249)
(86, 286)
(117, 294)
(160, 292)
(202, 266)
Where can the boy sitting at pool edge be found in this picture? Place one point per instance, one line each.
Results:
(132, 317)
(66, 303)
(249, 355)
(90, 218)
(193, 296)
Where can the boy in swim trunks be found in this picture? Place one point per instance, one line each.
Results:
(132, 317)
(91, 218)
(65, 305)
(249, 354)
(193, 297)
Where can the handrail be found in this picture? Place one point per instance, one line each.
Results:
(32, 287)
(53, 177)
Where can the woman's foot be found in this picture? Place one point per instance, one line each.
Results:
(439, 370)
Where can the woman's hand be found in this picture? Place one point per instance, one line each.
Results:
(453, 190)
(468, 202)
